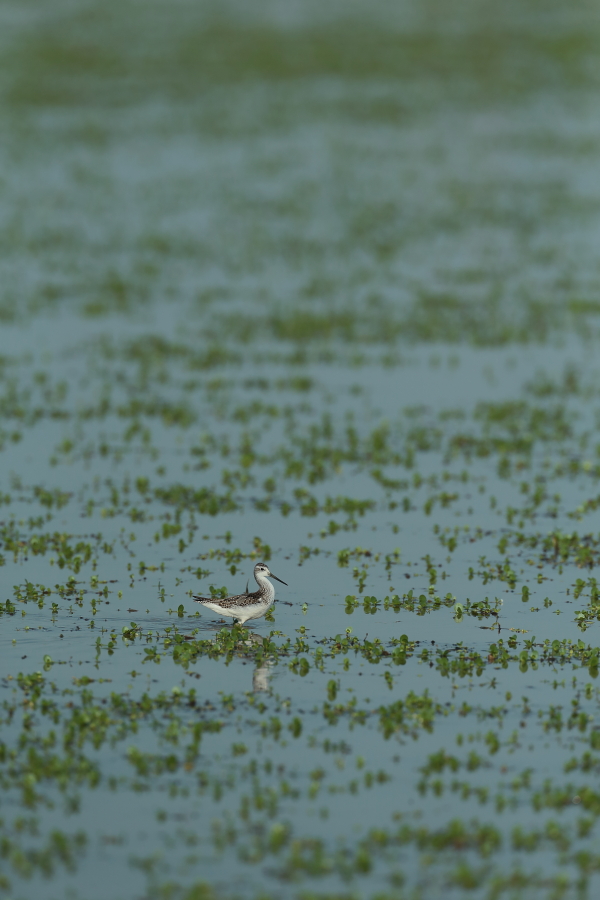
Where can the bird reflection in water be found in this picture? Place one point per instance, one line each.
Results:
(260, 677)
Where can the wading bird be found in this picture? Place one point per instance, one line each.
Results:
(249, 605)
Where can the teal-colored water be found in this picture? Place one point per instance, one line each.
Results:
(315, 284)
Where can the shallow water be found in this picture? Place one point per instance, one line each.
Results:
(315, 284)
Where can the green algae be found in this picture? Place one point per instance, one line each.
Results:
(316, 291)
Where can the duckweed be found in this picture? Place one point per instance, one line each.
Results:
(259, 311)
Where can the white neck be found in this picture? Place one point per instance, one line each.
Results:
(265, 585)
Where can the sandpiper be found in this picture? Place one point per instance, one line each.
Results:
(249, 605)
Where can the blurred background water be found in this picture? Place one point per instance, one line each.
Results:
(262, 263)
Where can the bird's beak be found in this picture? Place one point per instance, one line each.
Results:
(279, 580)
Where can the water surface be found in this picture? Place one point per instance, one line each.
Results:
(315, 284)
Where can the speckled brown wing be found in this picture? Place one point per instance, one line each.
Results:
(239, 600)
